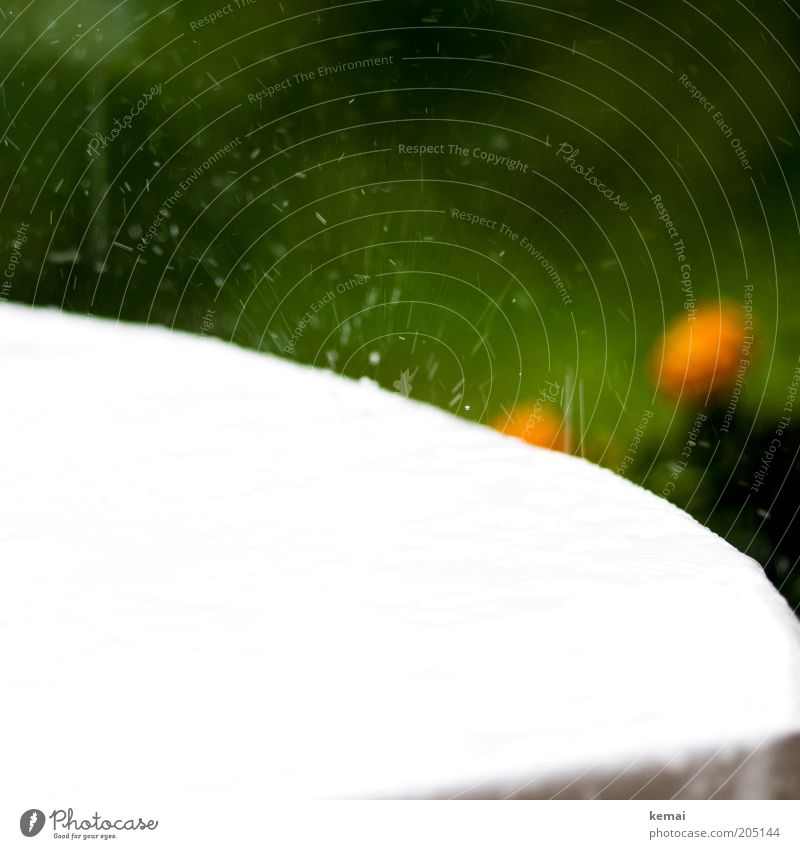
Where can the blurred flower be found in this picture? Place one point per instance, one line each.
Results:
(532, 424)
(700, 357)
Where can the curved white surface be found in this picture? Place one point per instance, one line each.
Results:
(221, 570)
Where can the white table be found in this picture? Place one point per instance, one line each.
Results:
(223, 572)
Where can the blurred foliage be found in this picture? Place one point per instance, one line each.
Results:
(316, 193)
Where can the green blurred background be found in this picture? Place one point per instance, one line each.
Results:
(316, 235)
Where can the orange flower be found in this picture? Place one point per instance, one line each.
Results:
(532, 424)
(700, 356)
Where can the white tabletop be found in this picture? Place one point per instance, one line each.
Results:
(222, 570)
